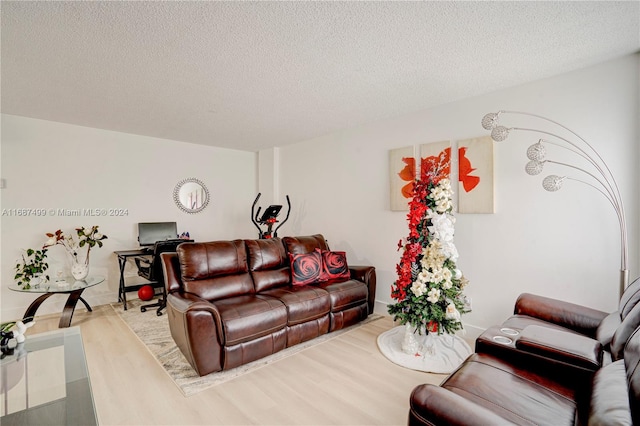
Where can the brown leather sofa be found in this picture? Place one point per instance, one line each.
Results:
(487, 390)
(233, 302)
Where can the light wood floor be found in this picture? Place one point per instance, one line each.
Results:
(345, 381)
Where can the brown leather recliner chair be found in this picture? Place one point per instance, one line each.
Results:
(564, 334)
(486, 390)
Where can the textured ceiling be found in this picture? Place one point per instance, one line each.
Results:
(253, 75)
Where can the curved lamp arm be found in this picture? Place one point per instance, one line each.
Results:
(604, 177)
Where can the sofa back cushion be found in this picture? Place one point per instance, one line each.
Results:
(623, 332)
(268, 263)
(215, 270)
(304, 245)
(630, 298)
(632, 366)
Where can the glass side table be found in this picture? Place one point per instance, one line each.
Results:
(45, 381)
(73, 288)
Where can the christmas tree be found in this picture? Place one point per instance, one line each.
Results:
(429, 288)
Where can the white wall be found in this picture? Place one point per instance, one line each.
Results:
(563, 244)
(54, 165)
(560, 244)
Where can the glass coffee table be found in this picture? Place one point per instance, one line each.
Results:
(71, 287)
(45, 381)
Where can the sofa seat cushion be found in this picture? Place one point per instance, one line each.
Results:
(304, 303)
(345, 294)
(514, 393)
(249, 317)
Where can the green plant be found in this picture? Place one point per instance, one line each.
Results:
(34, 263)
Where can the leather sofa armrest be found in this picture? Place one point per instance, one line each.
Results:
(366, 274)
(197, 329)
(434, 405)
(570, 348)
(185, 303)
(582, 319)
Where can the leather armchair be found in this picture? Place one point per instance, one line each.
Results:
(486, 390)
(563, 334)
(531, 309)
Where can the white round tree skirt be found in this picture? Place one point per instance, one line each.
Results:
(436, 353)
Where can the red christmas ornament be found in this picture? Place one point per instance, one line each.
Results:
(145, 293)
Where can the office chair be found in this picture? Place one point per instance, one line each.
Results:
(150, 268)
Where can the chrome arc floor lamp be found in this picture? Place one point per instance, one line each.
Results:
(598, 177)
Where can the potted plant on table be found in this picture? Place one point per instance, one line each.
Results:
(31, 268)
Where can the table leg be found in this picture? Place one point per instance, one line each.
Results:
(30, 313)
(70, 306)
(122, 295)
(86, 304)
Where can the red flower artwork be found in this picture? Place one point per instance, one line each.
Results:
(436, 167)
(464, 171)
(408, 173)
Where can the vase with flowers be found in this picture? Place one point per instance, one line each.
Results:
(74, 247)
(428, 292)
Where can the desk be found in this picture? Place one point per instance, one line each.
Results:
(155, 277)
(73, 288)
(123, 256)
(45, 381)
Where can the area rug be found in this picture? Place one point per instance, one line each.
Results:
(153, 331)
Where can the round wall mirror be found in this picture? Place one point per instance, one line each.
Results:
(191, 195)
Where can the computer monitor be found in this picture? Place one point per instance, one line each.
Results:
(151, 232)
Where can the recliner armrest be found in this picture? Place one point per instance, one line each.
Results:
(570, 348)
(434, 405)
(366, 274)
(188, 303)
(197, 329)
(575, 317)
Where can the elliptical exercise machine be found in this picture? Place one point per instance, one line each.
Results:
(269, 218)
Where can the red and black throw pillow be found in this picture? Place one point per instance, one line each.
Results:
(334, 265)
(305, 268)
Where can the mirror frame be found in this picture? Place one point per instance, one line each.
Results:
(176, 195)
